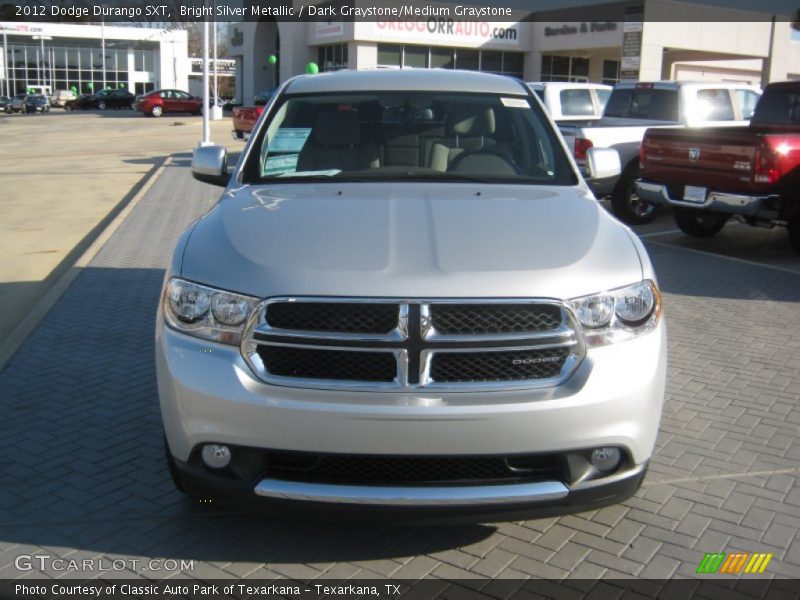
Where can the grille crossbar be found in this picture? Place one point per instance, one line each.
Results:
(399, 345)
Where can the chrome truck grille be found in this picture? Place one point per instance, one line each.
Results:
(380, 344)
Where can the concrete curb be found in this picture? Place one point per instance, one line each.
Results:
(28, 325)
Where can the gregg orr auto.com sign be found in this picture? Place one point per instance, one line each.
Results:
(442, 31)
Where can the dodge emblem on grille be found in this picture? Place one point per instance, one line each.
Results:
(535, 360)
(694, 154)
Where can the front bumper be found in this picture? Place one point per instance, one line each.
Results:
(614, 398)
(405, 504)
(724, 202)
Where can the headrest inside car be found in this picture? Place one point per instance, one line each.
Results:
(470, 120)
(336, 128)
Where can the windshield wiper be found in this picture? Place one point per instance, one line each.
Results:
(378, 175)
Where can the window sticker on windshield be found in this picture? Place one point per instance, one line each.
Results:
(277, 165)
(289, 139)
(515, 102)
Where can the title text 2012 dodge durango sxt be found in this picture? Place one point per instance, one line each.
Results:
(407, 301)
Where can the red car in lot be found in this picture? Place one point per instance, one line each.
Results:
(159, 102)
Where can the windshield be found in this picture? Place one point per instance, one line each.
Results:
(408, 136)
(643, 103)
(778, 106)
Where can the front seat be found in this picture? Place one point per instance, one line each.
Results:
(335, 143)
(469, 127)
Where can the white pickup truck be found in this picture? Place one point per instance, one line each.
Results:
(633, 108)
(572, 102)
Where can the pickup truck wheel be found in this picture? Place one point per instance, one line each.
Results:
(699, 223)
(794, 234)
(626, 204)
(173, 470)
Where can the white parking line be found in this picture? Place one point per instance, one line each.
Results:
(752, 263)
(655, 233)
(647, 484)
(670, 231)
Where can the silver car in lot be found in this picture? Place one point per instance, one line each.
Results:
(408, 304)
(16, 103)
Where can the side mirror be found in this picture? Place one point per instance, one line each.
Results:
(210, 165)
(602, 163)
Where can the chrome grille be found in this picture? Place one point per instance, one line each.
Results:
(482, 319)
(510, 365)
(315, 363)
(354, 317)
(384, 344)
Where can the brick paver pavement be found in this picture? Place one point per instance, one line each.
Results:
(82, 474)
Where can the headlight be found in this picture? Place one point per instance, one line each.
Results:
(206, 312)
(634, 304)
(618, 314)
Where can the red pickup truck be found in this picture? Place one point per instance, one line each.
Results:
(244, 119)
(709, 175)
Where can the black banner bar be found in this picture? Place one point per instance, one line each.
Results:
(403, 589)
(550, 11)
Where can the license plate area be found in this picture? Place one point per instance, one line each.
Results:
(694, 194)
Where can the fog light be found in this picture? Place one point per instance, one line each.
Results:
(216, 456)
(606, 459)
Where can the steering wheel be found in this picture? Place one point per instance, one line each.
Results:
(482, 162)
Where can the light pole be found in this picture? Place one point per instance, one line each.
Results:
(214, 33)
(103, 48)
(206, 125)
(5, 63)
(216, 111)
(41, 38)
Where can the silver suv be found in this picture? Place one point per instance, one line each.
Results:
(407, 302)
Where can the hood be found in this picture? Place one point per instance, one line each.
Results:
(410, 240)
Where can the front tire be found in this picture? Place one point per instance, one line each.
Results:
(626, 204)
(699, 223)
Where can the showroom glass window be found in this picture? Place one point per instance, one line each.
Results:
(332, 57)
(565, 68)
(611, 72)
(439, 57)
(77, 64)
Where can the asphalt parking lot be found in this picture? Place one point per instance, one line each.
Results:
(62, 173)
(86, 478)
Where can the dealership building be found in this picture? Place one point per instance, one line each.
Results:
(91, 57)
(642, 40)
